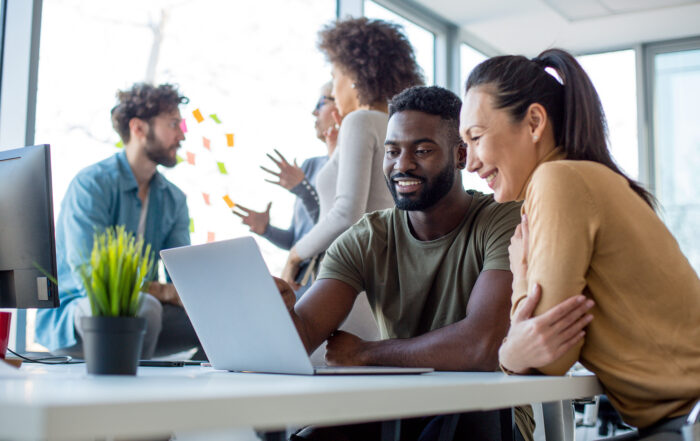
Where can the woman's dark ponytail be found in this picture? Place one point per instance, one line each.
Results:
(557, 81)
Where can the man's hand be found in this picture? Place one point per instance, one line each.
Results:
(289, 176)
(539, 341)
(291, 269)
(518, 249)
(346, 349)
(257, 221)
(286, 292)
(165, 292)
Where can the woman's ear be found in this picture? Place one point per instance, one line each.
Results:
(537, 120)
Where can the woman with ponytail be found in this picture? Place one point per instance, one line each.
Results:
(608, 284)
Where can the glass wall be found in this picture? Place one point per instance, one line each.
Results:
(614, 77)
(677, 145)
(251, 74)
(423, 40)
(469, 58)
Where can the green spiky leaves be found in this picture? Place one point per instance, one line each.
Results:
(116, 272)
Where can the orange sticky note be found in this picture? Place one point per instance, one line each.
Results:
(206, 198)
(229, 139)
(210, 236)
(197, 115)
(206, 143)
(190, 157)
(229, 202)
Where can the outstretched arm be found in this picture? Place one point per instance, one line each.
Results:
(321, 310)
(470, 344)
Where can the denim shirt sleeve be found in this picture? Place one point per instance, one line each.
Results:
(84, 212)
(180, 233)
(85, 209)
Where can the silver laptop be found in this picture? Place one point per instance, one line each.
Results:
(239, 315)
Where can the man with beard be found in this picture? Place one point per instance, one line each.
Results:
(435, 269)
(126, 189)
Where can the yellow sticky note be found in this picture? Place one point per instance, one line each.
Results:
(229, 139)
(215, 118)
(119, 144)
(222, 168)
(229, 202)
(191, 225)
(197, 115)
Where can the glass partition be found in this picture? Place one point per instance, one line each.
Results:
(677, 145)
(423, 40)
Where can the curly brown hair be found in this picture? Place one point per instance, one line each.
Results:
(144, 101)
(375, 53)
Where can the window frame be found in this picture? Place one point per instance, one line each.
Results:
(648, 52)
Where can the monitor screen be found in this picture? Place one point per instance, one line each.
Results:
(27, 240)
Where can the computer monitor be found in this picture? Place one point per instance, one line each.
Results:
(27, 239)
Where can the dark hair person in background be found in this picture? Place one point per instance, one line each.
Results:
(371, 62)
(301, 181)
(126, 189)
(536, 132)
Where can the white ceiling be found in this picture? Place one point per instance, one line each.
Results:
(530, 26)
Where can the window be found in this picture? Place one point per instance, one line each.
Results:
(614, 77)
(259, 73)
(469, 59)
(677, 145)
(423, 41)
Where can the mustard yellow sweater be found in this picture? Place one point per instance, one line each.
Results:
(590, 233)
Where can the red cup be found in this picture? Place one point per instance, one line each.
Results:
(4, 331)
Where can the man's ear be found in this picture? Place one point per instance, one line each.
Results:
(461, 155)
(138, 128)
(536, 120)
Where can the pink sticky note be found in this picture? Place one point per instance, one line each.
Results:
(206, 198)
(206, 142)
(183, 125)
(190, 157)
(210, 236)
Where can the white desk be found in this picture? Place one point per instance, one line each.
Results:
(63, 403)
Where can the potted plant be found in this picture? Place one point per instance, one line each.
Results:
(114, 277)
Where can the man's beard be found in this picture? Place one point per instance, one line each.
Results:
(432, 192)
(156, 152)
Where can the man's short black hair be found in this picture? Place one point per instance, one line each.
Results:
(432, 100)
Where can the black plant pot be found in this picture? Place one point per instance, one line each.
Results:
(112, 345)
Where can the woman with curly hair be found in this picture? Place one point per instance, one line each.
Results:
(371, 62)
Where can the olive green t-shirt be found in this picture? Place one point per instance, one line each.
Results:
(417, 286)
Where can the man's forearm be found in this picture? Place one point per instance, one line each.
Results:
(452, 348)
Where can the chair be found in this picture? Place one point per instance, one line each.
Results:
(691, 429)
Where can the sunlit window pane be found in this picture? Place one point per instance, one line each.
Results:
(614, 77)
(677, 146)
(258, 72)
(423, 41)
(469, 59)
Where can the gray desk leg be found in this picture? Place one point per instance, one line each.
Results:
(391, 430)
(558, 421)
(449, 426)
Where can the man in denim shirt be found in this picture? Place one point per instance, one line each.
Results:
(126, 189)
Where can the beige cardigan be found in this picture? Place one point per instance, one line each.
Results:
(590, 233)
